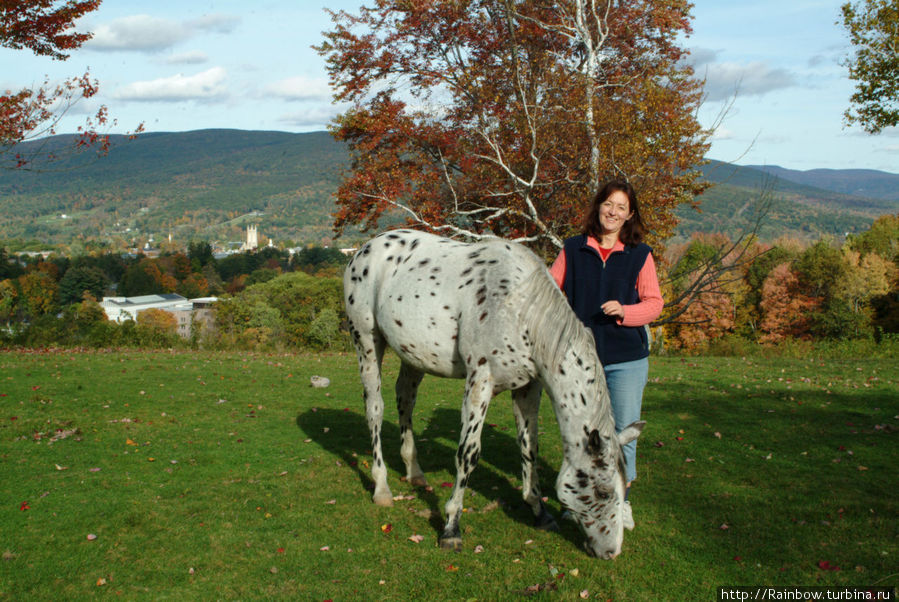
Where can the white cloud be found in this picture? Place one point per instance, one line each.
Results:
(301, 88)
(207, 85)
(721, 133)
(138, 32)
(194, 57)
(723, 80)
(318, 116)
(216, 23)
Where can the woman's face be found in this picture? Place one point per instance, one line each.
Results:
(614, 211)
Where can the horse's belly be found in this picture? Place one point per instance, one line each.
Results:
(424, 335)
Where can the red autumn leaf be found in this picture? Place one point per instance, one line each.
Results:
(825, 565)
(446, 484)
(387, 528)
(280, 550)
(24, 506)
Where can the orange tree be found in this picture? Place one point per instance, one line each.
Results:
(503, 117)
(45, 27)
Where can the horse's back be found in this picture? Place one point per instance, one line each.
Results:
(434, 300)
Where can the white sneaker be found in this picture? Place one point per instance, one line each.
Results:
(627, 516)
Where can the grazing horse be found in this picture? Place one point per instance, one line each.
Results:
(490, 313)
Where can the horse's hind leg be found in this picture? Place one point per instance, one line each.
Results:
(406, 392)
(527, 404)
(370, 351)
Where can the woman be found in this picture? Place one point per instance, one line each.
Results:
(609, 277)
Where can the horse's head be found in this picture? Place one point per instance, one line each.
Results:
(591, 485)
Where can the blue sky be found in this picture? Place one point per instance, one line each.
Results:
(186, 65)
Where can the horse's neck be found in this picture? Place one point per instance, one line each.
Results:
(574, 392)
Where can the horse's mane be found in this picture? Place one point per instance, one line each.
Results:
(552, 324)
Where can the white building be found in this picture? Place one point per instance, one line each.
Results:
(186, 311)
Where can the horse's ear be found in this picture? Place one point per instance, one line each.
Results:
(631, 432)
(594, 442)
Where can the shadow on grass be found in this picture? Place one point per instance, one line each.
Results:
(496, 478)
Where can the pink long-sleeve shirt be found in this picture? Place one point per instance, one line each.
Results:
(650, 305)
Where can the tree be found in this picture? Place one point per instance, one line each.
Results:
(158, 319)
(881, 238)
(873, 27)
(784, 307)
(45, 28)
(80, 279)
(39, 293)
(503, 116)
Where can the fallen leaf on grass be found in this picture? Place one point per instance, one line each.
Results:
(416, 538)
(101, 581)
(446, 484)
(58, 467)
(91, 537)
(331, 502)
(325, 549)
(478, 549)
(452, 568)
(825, 565)
(574, 572)
(387, 527)
(540, 587)
(24, 506)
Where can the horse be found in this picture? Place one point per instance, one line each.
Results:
(490, 313)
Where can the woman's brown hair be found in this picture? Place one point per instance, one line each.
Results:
(633, 230)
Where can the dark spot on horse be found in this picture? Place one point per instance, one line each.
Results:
(482, 361)
(350, 299)
(398, 323)
(483, 317)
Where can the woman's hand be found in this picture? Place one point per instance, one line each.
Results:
(613, 309)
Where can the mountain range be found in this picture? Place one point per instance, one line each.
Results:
(208, 184)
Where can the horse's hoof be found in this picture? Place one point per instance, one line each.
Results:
(419, 482)
(382, 499)
(550, 525)
(451, 543)
(545, 521)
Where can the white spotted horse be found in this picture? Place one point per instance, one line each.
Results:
(490, 313)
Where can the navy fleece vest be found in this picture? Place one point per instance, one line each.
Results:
(590, 282)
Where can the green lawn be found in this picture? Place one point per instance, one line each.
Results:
(191, 475)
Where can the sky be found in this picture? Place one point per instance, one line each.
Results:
(773, 66)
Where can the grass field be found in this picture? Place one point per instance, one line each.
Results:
(227, 476)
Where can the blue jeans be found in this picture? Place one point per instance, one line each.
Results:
(626, 382)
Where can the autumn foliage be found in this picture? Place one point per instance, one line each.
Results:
(790, 291)
(491, 116)
(46, 28)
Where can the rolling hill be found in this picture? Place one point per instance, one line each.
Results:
(208, 184)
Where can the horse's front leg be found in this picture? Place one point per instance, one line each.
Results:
(478, 392)
(526, 408)
(406, 392)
